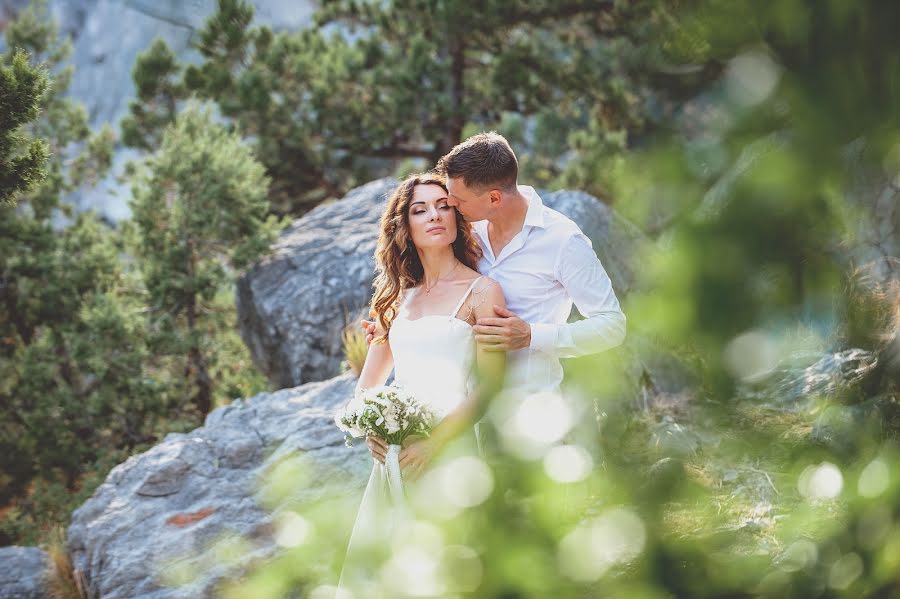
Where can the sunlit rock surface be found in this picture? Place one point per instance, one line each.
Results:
(152, 528)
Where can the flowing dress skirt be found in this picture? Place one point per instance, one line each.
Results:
(388, 507)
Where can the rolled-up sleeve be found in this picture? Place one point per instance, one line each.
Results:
(582, 275)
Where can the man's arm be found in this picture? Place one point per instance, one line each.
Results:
(585, 280)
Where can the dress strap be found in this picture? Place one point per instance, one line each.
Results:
(465, 295)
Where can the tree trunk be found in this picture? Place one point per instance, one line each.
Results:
(457, 96)
(196, 361)
(67, 369)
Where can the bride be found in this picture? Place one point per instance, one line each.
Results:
(428, 295)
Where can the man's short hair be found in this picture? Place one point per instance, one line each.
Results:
(484, 160)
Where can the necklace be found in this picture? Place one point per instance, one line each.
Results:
(439, 279)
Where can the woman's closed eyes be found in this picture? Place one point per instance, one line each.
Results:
(422, 211)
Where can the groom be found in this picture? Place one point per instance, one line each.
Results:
(543, 262)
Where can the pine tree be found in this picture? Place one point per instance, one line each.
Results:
(63, 125)
(155, 74)
(76, 383)
(377, 83)
(22, 161)
(200, 212)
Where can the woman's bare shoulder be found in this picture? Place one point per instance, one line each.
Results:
(468, 274)
(485, 295)
(489, 285)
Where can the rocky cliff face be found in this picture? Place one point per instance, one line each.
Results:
(107, 36)
(294, 304)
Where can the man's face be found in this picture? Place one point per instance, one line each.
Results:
(470, 203)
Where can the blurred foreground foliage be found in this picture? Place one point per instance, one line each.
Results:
(776, 473)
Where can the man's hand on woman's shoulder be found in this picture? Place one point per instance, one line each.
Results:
(496, 327)
(503, 332)
(369, 326)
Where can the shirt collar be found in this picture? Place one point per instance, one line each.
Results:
(534, 216)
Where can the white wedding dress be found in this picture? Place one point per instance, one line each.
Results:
(433, 359)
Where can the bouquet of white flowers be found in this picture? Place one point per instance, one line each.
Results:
(389, 411)
(393, 414)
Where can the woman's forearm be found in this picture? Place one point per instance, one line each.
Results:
(466, 414)
(490, 372)
(377, 367)
(454, 423)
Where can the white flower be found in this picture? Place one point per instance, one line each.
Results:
(392, 425)
(389, 410)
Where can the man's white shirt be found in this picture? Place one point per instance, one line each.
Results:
(549, 265)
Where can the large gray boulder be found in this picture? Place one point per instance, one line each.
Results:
(23, 573)
(293, 305)
(152, 528)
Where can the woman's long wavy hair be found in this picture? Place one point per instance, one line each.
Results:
(396, 258)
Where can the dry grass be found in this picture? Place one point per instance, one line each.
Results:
(63, 580)
(355, 347)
